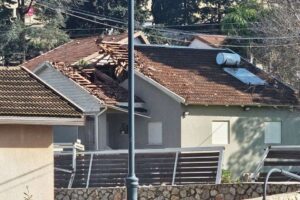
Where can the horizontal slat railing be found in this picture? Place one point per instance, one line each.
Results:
(286, 157)
(153, 167)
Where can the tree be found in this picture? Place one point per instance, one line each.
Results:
(107, 10)
(212, 11)
(279, 51)
(175, 12)
(19, 40)
(240, 17)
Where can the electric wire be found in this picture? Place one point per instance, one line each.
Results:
(195, 33)
(173, 39)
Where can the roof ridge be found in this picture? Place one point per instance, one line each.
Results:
(178, 47)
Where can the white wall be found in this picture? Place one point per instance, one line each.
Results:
(199, 44)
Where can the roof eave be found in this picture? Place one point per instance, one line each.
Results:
(126, 111)
(244, 105)
(51, 121)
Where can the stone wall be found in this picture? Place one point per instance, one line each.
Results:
(286, 196)
(188, 192)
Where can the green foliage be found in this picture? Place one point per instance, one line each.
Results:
(116, 9)
(226, 176)
(214, 10)
(175, 12)
(240, 17)
(19, 41)
(81, 64)
(178, 12)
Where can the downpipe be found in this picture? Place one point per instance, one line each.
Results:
(96, 116)
(281, 171)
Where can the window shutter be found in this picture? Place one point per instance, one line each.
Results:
(272, 132)
(220, 132)
(155, 133)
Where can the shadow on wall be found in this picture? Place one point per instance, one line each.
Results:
(26, 178)
(249, 136)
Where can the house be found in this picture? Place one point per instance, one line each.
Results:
(29, 109)
(193, 102)
(184, 99)
(95, 101)
(206, 41)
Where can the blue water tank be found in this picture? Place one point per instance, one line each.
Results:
(228, 59)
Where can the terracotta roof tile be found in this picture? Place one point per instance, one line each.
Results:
(107, 91)
(22, 94)
(194, 75)
(68, 53)
(65, 55)
(76, 50)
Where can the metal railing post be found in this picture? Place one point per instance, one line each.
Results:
(261, 164)
(219, 170)
(73, 167)
(175, 168)
(90, 169)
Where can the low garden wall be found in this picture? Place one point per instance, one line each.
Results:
(187, 192)
(286, 196)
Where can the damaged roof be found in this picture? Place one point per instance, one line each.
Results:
(78, 49)
(66, 58)
(194, 75)
(24, 95)
(96, 83)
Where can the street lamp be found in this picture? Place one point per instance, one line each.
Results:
(131, 180)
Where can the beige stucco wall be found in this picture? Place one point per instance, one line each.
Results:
(246, 139)
(26, 159)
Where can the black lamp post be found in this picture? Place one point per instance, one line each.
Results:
(131, 180)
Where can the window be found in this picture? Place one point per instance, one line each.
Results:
(220, 132)
(155, 133)
(272, 132)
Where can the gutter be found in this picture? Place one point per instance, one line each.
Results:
(42, 120)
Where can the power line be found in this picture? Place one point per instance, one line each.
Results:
(83, 18)
(168, 38)
(194, 33)
(109, 17)
(116, 21)
(121, 20)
